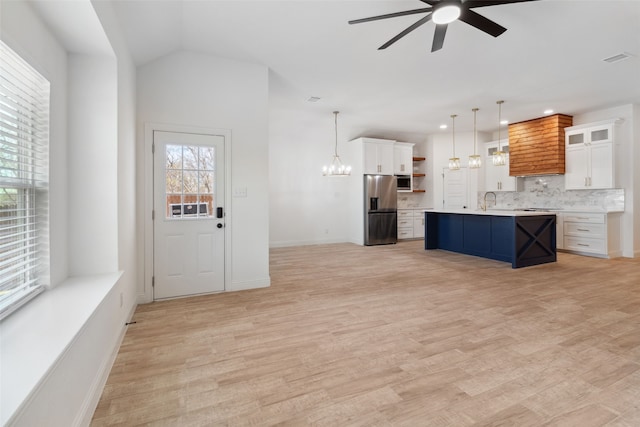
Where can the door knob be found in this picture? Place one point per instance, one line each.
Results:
(219, 225)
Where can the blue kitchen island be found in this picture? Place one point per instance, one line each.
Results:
(521, 238)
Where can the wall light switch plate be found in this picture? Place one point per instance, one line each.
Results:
(240, 192)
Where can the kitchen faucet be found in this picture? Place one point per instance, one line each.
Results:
(495, 200)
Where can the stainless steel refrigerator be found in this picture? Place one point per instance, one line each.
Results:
(380, 210)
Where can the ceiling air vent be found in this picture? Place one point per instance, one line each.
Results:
(616, 58)
(314, 99)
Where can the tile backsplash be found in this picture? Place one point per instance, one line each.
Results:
(411, 200)
(547, 191)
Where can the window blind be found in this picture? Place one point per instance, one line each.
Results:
(24, 176)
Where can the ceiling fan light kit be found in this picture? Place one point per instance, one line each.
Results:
(442, 13)
(445, 14)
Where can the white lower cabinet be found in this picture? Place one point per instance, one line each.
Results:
(418, 225)
(405, 224)
(593, 234)
(410, 224)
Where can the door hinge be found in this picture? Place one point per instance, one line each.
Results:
(153, 281)
(153, 148)
(153, 215)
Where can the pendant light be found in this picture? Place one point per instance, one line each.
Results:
(336, 168)
(454, 162)
(499, 157)
(475, 161)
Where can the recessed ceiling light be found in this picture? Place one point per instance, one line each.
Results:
(548, 111)
(314, 99)
(504, 122)
(443, 126)
(616, 58)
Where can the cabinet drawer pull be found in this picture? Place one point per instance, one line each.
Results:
(583, 229)
(583, 244)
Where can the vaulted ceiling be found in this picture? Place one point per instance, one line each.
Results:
(551, 56)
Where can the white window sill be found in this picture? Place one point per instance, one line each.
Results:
(34, 338)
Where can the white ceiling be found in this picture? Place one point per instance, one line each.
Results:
(551, 56)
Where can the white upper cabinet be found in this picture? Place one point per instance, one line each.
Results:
(402, 158)
(378, 157)
(589, 156)
(497, 177)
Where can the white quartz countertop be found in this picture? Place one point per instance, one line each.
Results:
(492, 212)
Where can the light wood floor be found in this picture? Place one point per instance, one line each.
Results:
(392, 336)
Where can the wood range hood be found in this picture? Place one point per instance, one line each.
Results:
(536, 147)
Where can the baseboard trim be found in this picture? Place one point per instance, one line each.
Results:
(289, 243)
(250, 284)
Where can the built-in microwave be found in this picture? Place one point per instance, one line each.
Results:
(404, 182)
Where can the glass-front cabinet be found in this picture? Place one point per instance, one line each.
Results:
(589, 156)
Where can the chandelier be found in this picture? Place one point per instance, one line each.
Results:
(336, 167)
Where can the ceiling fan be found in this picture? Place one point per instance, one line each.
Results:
(442, 13)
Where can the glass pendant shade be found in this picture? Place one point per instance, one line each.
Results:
(454, 162)
(336, 167)
(499, 156)
(475, 161)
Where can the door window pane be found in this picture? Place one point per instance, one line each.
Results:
(190, 181)
(174, 156)
(190, 157)
(174, 181)
(207, 158)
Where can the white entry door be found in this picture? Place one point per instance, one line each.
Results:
(188, 247)
(454, 189)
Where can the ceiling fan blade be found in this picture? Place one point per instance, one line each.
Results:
(430, 2)
(482, 3)
(480, 22)
(391, 15)
(406, 31)
(438, 37)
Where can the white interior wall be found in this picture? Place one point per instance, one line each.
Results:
(304, 206)
(57, 350)
(126, 154)
(93, 168)
(191, 89)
